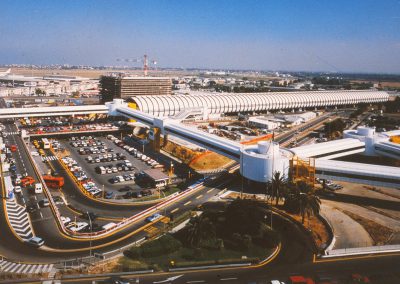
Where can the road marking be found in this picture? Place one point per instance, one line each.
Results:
(200, 196)
(176, 209)
(170, 279)
(187, 203)
(227, 279)
(208, 191)
(41, 215)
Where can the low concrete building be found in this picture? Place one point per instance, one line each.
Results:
(263, 123)
(159, 178)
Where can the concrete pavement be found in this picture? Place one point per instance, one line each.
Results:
(345, 229)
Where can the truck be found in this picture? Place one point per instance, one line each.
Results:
(26, 181)
(53, 182)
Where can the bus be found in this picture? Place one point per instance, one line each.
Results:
(54, 182)
(45, 143)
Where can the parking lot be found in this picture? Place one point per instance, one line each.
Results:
(109, 168)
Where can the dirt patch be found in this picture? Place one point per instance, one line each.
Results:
(106, 267)
(182, 153)
(198, 161)
(373, 188)
(379, 234)
(209, 161)
(318, 229)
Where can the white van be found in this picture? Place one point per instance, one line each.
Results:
(108, 226)
(38, 188)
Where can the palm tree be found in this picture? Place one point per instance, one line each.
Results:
(278, 186)
(200, 229)
(308, 203)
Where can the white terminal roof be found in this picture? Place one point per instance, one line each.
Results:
(315, 150)
(358, 169)
(247, 102)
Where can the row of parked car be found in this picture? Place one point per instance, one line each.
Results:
(86, 141)
(108, 169)
(122, 178)
(135, 152)
(105, 158)
(330, 185)
(80, 175)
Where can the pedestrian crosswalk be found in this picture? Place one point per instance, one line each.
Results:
(22, 268)
(49, 158)
(19, 219)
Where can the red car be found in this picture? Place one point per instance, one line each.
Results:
(299, 279)
(358, 278)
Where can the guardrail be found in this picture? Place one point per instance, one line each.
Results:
(362, 251)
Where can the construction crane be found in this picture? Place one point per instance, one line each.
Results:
(143, 60)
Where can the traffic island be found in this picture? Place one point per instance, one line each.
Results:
(237, 235)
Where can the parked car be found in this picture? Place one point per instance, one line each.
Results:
(35, 241)
(44, 203)
(154, 217)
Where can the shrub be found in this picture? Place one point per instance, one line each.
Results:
(164, 245)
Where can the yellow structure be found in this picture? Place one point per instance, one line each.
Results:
(395, 139)
(303, 170)
(155, 138)
(134, 106)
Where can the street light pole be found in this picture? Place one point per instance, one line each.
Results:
(91, 232)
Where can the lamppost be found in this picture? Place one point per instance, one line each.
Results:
(91, 232)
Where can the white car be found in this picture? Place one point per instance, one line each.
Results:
(34, 153)
(38, 188)
(65, 220)
(77, 226)
(17, 189)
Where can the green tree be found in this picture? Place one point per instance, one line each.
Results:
(307, 202)
(199, 230)
(336, 125)
(278, 186)
(244, 216)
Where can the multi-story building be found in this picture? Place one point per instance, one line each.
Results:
(129, 86)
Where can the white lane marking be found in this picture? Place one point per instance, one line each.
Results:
(227, 279)
(41, 215)
(176, 209)
(187, 203)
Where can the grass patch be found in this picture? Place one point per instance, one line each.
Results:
(379, 234)
(186, 257)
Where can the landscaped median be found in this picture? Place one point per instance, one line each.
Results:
(236, 236)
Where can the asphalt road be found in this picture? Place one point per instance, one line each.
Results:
(377, 268)
(65, 248)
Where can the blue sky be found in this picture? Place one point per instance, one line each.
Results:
(323, 35)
